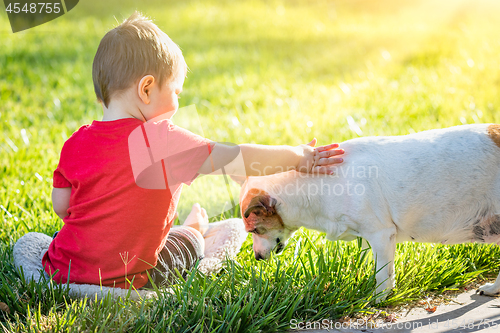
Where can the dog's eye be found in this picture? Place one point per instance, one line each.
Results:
(258, 231)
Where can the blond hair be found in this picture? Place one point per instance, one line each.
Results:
(135, 48)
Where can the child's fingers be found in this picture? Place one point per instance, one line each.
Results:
(326, 166)
(332, 152)
(329, 161)
(327, 147)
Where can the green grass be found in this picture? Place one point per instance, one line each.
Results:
(265, 72)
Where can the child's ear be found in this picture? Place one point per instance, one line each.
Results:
(144, 88)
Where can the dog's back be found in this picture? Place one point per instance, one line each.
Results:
(440, 185)
(435, 186)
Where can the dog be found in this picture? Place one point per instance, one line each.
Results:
(437, 186)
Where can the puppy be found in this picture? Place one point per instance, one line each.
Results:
(437, 186)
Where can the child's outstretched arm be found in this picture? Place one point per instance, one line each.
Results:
(261, 160)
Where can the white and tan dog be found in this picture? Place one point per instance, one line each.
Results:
(439, 186)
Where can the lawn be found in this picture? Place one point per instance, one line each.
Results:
(269, 72)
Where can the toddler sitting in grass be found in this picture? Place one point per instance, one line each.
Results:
(117, 213)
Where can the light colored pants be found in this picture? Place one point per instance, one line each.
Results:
(183, 248)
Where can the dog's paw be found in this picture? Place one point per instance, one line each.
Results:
(489, 289)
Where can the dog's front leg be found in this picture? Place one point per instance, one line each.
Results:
(383, 245)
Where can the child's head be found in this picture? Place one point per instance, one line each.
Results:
(135, 48)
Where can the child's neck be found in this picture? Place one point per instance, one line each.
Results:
(107, 117)
(120, 109)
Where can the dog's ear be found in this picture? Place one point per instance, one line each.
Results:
(261, 204)
(239, 179)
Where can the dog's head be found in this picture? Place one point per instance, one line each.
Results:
(261, 218)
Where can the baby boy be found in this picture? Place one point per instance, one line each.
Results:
(116, 229)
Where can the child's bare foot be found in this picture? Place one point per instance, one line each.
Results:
(197, 219)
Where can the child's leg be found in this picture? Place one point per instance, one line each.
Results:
(216, 241)
(184, 247)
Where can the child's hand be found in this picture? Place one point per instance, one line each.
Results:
(319, 159)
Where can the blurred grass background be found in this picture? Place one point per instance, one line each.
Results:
(269, 72)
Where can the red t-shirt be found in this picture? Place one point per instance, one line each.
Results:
(119, 217)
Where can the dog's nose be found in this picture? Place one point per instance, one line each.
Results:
(279, 247)
(258, 256)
